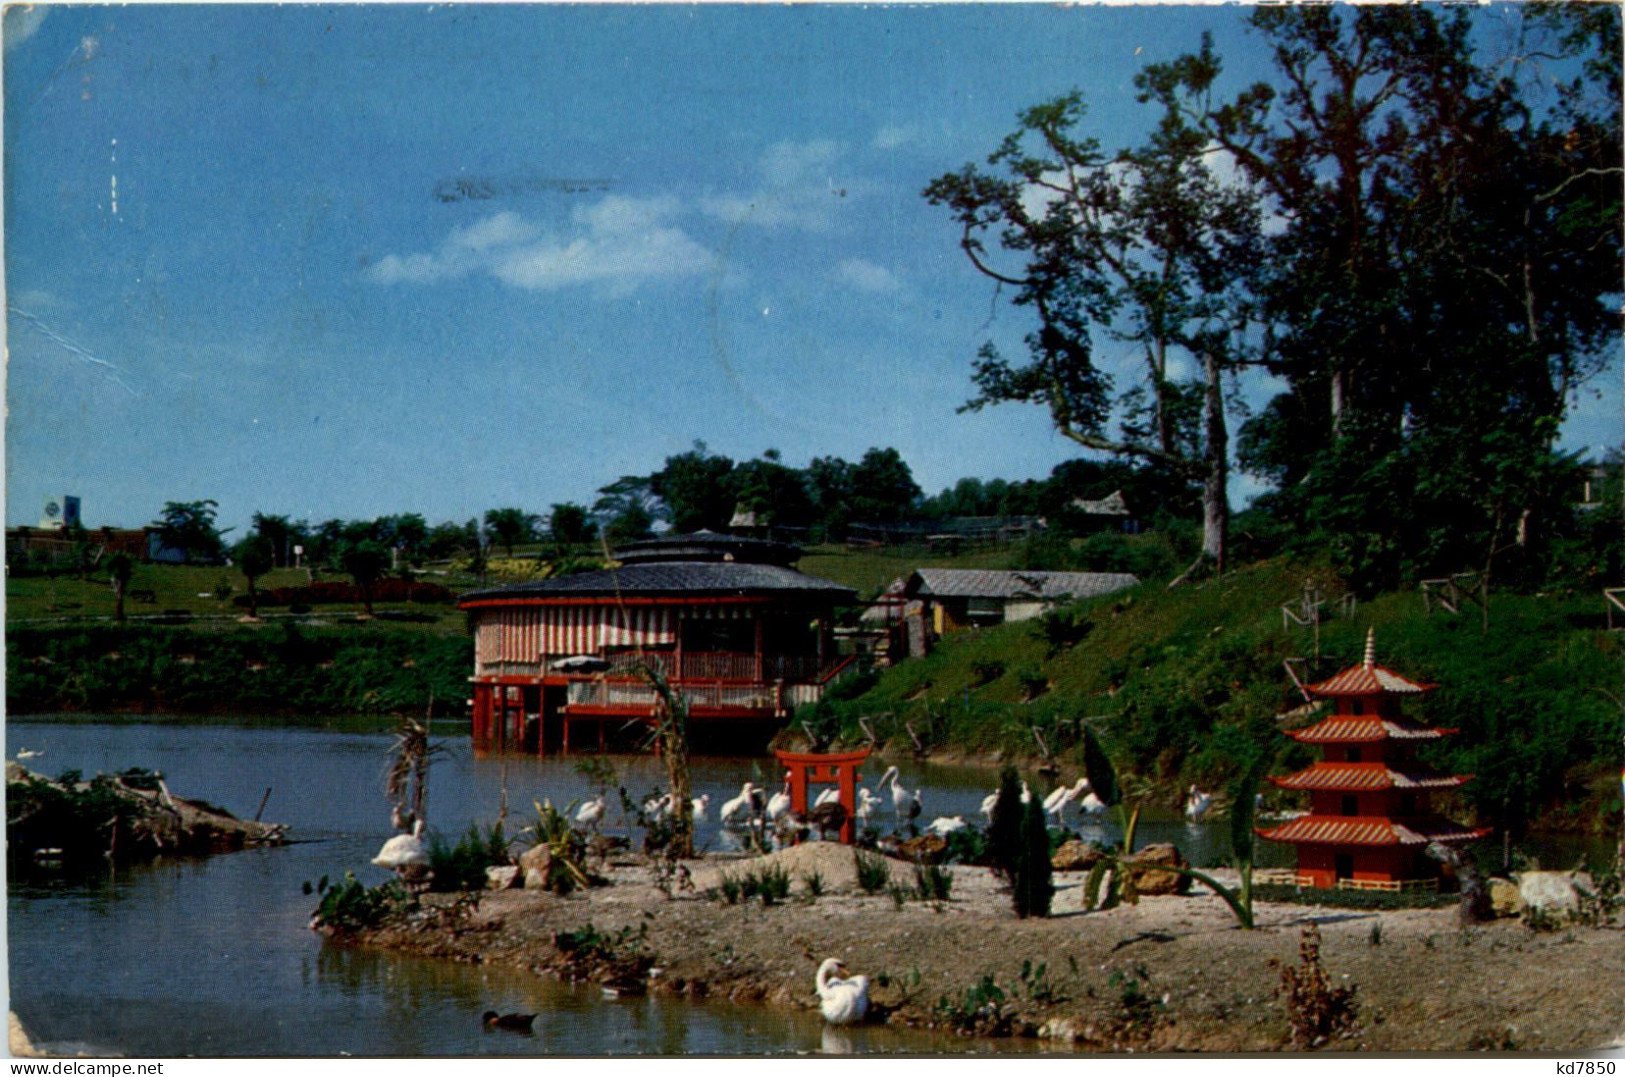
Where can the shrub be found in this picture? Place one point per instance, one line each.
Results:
(1315, 1009)
(462, 866)
(874, 874)
(352, 906)
(1004, 830)
(933, 882)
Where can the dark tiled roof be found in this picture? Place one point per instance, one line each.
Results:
(708, 546)
(676, 578)
(992, 583)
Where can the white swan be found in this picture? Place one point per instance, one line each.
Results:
(591, 812)
(740, 804)
(943, 825)
(404, 851)
(1196, 804)
(29, 753)
(841, 1001)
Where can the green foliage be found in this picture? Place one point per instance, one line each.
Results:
(188, 526)
(283, 670)
(874, 873)
(813, 883)
(773, 884)
(967, 845)
(980, 1009)
(352, 906)
(566, 846)
(1031, 882)
(933, 882)
(591, 944)
(462, 866)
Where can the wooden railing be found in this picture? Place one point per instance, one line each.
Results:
(718, 666)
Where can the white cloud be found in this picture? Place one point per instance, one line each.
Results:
(21, 22)
(866, 276)
(619, 242)
(894, 135)
(798, 189)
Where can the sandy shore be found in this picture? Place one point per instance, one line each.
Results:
(1171, 973)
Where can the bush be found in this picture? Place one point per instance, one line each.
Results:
(874, 874)
(462, 867)
(1004, 831)
(354, 907)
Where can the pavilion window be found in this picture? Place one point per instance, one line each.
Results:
(1351, 805)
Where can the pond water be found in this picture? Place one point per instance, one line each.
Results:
(214, 956)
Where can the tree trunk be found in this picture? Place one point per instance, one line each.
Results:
(1215, 496)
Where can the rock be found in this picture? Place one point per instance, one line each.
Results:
(1504, 898)
(1160, 882)
(534, 864)
(925, 849)
(1550, 893)
(1064, 1029)
(505, 877)
(1076, 855)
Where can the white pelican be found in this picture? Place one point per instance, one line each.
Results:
(655, 807)
(829, 796)
(988, 802)
(943, 825)
(1196, 804)
(779, 803)
(1055, 804)
(900, 797)
(841, 1001)
(866, 805)
(1091, 804)
(700, 804)
(591, 812)
(740, 804)
(912, 808)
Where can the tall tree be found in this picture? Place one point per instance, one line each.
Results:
(625, 509)
(254, 556)
(189, 526)
(365, 562)
(1144, 246)
(510, 526)
(1444, 271)
(697, 489)
(883, 489)
(569, 524)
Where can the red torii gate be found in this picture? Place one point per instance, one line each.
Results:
(814, 768)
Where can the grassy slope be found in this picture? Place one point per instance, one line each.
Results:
(1181, 685)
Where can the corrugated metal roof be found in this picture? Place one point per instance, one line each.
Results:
(674, 578)
(1362, 729)
(990, 583)
(1369, 830)
(1357, 777)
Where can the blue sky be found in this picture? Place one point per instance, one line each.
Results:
(356, 260)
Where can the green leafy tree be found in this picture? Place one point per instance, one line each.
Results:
(282, 534)
(625, 509)
(365, 562)
(697, 489)
(255, 556)
(510, 527)
(569, 524)
(1144, 246)
(189, 526)
(883, 489)
(775, 493)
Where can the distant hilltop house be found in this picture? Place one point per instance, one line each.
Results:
(952, 599)
(736, 631)
(1110, 513)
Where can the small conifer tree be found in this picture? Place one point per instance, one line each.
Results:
(1004, 828)
(1033, 885)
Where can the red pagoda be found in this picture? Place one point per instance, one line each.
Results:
(1370, 820)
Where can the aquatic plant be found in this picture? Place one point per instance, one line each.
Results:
(353, 906)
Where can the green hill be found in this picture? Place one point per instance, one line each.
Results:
(1186, 685)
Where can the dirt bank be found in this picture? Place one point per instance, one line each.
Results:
(1169, 974)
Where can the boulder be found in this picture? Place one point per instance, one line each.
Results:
(1504, 898)
(1550, 893)
(1076, 855)
(1160, 882)
(505, 877)
(534, 865)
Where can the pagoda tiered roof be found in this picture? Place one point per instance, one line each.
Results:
(1368, 679)
(1362, 729)
(1371, 830)
(1367, 777)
